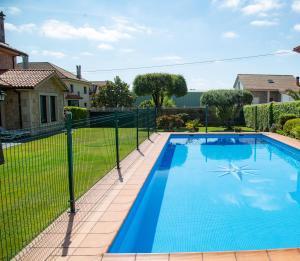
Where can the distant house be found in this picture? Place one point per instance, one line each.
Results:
(32, 97)
(94, 89)
(78, 88)
(267, 88)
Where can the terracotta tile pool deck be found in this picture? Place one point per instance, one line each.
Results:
(88, 234)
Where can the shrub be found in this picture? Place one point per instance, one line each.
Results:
(237, 129)
(193, 125)
(77, 112)
(296, 132)
(283, 118)
(291, 124)
(184, 116)
(268, 114)
(168, 122)
(275, 127)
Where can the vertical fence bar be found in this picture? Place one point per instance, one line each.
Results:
(117, 139)
(1, 153)
(255, 116)
(137, 128)
(206, 117)
(70, 161)
(155, 116)
(148, 127)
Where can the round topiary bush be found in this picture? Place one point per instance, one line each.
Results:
(284, 117)
(296, 132)
(291, 124)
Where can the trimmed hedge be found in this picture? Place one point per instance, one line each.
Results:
(77, 112)
(269, 113)
(296, 132)
(283, 118)
(291, 124)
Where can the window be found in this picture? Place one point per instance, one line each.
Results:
(84, 90)
(73, 103)
(43, 108)
(78, 93)
(53, 108)
(71, 88)
(270, 81)
(85, 104)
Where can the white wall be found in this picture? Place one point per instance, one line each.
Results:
(286, 98)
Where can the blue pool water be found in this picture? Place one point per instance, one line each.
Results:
(216, 193)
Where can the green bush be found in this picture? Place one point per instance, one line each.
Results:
(184, 116)
(169, 122)
(291, 124)
(296, 132)
(77, 112)
(268, 114)
(283, 118)
(285, 107)
(193, 125)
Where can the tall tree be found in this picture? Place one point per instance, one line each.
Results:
(294, 94)
(159, 86)
(114, 94)
(228, 103)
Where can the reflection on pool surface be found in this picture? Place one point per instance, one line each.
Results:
(216, 193)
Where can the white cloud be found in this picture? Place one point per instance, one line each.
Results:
(86, 54)
(127, 50)
(284, 52)
(48, 53)
(296, 6)
(121, 29)
(229, 35)
(30, 27)
(105, 47)
(264, 23)
(297, 27)
(227, 3)
(261, 6)
(13, 10)
(168, 58)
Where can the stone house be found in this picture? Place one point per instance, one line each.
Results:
(78, 88)
(267, 88)
(33, 98)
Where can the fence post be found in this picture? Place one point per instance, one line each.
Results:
(1, 153)
(137, 128)
(155, 116)
(148, 127)
(255, 120)
(70, 161)
(117, 139)
(206, 117)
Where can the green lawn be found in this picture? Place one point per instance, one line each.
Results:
(34, 179)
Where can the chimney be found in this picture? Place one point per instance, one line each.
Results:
(2, 32)
(78, 71)
(298, 81)
(25, 62)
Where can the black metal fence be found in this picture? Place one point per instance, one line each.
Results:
(207, 116)
(46, 169)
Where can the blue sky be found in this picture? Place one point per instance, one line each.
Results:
(114, 34)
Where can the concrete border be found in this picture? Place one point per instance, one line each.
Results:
(102, 210)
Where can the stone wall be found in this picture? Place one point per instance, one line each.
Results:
(30, 106)
(11, 117)
(7, 61)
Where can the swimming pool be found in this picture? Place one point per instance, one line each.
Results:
(216, 193)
